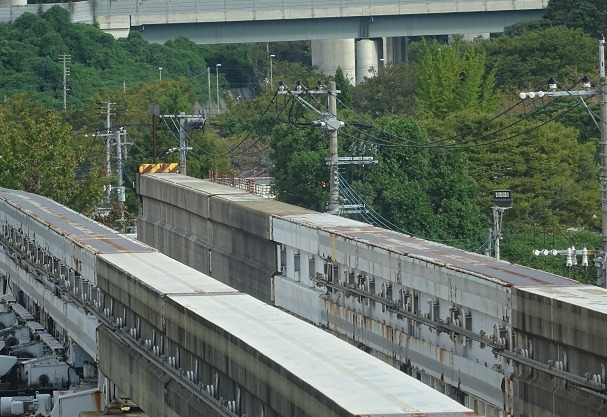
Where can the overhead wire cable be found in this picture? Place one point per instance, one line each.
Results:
(385, 223)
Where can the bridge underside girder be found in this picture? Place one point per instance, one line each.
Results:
(335, 28)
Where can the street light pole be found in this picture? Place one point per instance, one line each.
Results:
(603, 152)
(217, 82)
(271, 75)
(160, 69)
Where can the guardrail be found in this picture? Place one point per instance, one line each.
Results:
(89, 11)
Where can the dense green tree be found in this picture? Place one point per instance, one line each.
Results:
(524, 26)
(37, 156)
(300, 175)
(588, 15)
(342, 84)
(392, 91)
(31, 48)
(528, 60)
(553, 177)
(451, 78)
(423, 189)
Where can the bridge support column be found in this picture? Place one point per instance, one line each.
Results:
(333, 53)
(367, 59)
(469, 37)
(396, 50)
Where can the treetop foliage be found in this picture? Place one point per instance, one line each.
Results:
(37, 156)
(528, 60)
(588, 15)
(33, 46)
(452, 78)
(446, 128)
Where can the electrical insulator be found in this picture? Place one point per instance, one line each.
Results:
(584, 257)
(574, 256)
(569, 261)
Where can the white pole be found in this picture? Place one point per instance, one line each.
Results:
(217, 81)
(271, 75)
(603, 153)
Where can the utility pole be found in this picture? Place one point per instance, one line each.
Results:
(182, 145)
(210, 93)
(498, 214)
(120, 187)
(66, 71)
(333, 157)
(217, 84)
(502, 201)
(108, 148)
(329, 123)
(183, 148)
(601, 256)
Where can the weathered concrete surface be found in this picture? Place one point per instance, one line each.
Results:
(226, 236)
(565, 327)
(460, 322)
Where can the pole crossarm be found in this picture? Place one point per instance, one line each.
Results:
(353, 160)
(326, 118)
(552, 93)
(328, 122)
(183, 148)
(571, 253)
(601, 255)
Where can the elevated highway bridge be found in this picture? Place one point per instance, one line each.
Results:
(352, 34)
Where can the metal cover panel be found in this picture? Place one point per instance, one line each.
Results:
(197, 184)
(243, 197)
(359, 383)
(155, 269)
(67, 222)
(590, 297)
(442, 255)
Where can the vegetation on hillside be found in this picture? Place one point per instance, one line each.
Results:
(446, 129)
